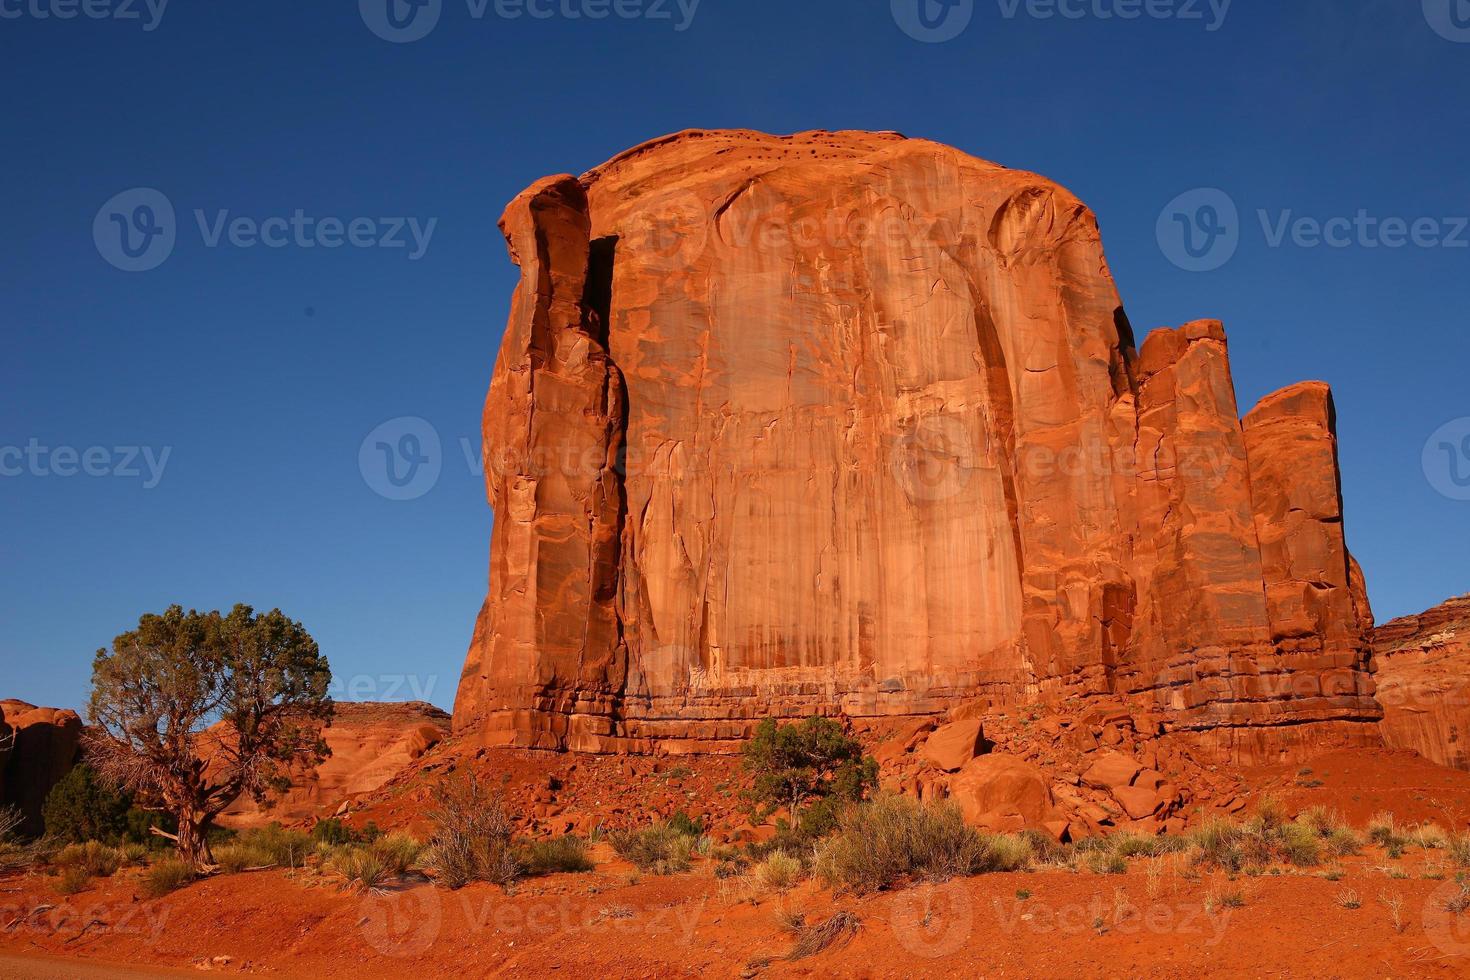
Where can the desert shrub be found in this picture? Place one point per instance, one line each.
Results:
(358, 868)
(1217, 843)
(398, 852)
(13, 852)
(558, 854)
(661, 849)
(80, 808)
(1430, 836)
(473, 836)
(811, 766)
(1107, 863)
(811, 940)
(1383, 830)
(1131, 844)
(1457, 847)
(72, 880)
(276, 845)
(777, 871)
(891, 838)
(332, 831)
(97, 860)
(236, 858)
(167, 875)
(135, 853)
(685, 824)
(1299, 845)
(10, 820)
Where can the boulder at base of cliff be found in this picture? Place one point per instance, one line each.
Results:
(1004, 794)
(953, 745)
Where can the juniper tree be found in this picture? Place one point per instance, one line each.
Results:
(192, 710)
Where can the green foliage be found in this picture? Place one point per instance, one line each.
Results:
(1107, 863)
(96, 859)
(891, 838)
(80, 808)
(473, 837)
(235, 858)
(332, 831)
(192, 710)
(558, 854)
(685, 824)
(662, 849)
(813, 759)
(167, 875)
(397, 852)
(276, 845)
(358, 868)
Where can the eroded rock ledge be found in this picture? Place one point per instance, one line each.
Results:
(849, 423)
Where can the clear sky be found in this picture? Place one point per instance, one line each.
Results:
(261, 369)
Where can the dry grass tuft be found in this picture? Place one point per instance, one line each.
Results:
(814, 939)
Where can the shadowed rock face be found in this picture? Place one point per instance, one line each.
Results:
(43, 746)
(848, 423)
(1423, 665)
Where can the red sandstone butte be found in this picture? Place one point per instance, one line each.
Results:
(44, 743)
(370, 743)
(1423, 665)
(854, 424)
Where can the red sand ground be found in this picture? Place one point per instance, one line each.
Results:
(614, 923)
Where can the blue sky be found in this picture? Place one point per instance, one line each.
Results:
(260, 370)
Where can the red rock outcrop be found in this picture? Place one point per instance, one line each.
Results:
(1423, 665)
(370, 743)
(45, 745)
(849, 423)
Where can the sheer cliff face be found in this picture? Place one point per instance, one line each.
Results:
(1423, 666)
(853, 423)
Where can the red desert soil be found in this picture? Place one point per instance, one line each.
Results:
(614, 922)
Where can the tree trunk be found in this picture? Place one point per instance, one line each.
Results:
(193, 846)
